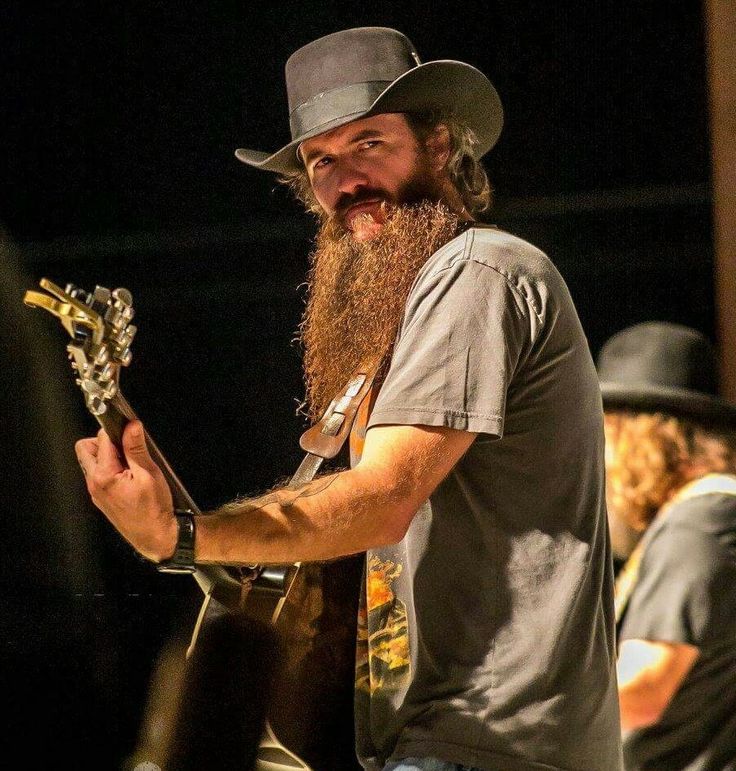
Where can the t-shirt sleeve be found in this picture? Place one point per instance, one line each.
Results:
(685, 592)
(464, 330)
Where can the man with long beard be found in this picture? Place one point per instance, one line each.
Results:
(486, 636)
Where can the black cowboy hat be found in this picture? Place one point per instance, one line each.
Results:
(370, 70)
(662, 367)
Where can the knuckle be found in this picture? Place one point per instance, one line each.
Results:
(97, 482)
(93, 484)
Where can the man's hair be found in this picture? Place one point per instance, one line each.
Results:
(649, 456)
(466, 173)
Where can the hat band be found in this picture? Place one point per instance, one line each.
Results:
(335, 104)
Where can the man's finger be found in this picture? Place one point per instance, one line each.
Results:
(86, 451)
(87, 448)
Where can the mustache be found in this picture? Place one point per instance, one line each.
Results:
(346, 200)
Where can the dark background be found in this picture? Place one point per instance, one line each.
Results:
(118, 125)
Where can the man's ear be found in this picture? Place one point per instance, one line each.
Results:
(438, 147)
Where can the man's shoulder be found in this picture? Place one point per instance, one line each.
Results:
(694, 525)
(493, 248)
(708, 506)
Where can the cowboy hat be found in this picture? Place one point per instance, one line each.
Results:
(370, 70)
(662, 367)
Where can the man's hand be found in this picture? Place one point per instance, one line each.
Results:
(132, 493)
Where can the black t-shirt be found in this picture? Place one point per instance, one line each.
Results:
(487, 633)
(686, 593)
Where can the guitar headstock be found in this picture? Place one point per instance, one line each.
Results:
(99, 324)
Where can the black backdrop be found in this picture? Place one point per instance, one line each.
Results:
(119, 123)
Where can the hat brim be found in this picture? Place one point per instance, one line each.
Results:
(455, 88)
(674, 401)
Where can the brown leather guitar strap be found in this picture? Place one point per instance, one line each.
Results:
(326, 438)
(360, 425)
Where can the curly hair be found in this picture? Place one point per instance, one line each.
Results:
(466, 172)
(650, 456)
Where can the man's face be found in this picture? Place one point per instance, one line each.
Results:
(358, 170)
(624, 537)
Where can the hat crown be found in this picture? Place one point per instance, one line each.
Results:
(366, 71)
(346, 58)
(659, 355)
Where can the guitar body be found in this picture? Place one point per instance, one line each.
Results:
(311, 710)
(307, 668)
(273, 652)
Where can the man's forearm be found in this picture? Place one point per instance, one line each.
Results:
(640, 705)
(330, 517)
(649, 674)
(370, 505)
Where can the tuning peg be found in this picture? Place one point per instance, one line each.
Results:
(100, 299)
(126, 336)
(96, 405)
(101, 294)
(102, 356)
(123, 302)
(106, 372)
(76, 293)
(123, 296)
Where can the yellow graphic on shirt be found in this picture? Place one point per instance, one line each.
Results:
(382, 657)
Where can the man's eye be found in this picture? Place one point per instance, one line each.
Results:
(322, 162)
(370, 143)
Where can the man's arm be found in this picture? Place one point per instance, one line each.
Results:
(649, 675)
(343, 513)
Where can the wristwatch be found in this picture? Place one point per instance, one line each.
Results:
(182, 560)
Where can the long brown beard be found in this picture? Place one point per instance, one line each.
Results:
(357, 292)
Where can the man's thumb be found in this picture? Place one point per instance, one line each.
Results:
(134, 446)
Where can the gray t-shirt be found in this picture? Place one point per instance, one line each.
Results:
(686, 593)
(488, 634)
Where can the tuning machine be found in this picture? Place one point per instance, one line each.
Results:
(99, 325)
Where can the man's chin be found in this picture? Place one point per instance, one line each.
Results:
(364, 227)
(365, 231)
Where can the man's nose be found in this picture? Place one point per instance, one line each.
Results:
(350, 178)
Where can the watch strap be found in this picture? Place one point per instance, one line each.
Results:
(182, 560)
